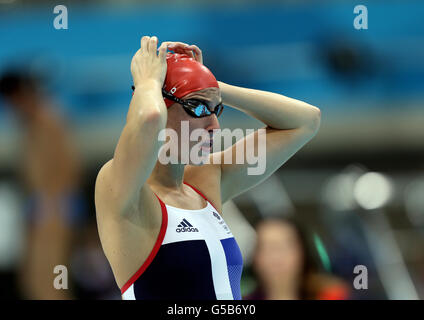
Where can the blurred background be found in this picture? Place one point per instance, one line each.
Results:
(353, 196)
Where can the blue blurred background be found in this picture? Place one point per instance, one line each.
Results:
(369, 85)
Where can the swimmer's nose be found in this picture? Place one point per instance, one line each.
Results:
(213, 123)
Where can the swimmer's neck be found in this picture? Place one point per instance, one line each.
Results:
(168, 176)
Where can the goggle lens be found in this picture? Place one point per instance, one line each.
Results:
(200, 109)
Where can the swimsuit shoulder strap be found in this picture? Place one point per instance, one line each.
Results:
(200, 193)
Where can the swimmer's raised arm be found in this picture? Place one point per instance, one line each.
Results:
(290, 124)
(136, 152)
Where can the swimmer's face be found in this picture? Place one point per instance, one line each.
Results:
(176, 115)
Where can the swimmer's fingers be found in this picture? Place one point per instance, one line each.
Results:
(198, 52)
(162, 52)
(176, 44)
(148, 63)
(144, 45)
(153, 43)
(180, 47)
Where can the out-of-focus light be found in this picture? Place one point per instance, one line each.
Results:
(372, 190)
(414, 202)
(338, 192)
(271, 196)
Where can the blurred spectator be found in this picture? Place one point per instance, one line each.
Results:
(286, 265)
(50, 171)
(90, 270)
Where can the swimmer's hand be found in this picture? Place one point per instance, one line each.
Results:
(149, 62)
(190, 50)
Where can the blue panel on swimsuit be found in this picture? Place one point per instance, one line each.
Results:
(234, 265)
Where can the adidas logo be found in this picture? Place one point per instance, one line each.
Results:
(186, 226)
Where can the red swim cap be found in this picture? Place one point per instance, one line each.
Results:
(185, 75)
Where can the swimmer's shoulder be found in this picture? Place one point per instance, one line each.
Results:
(107, 204)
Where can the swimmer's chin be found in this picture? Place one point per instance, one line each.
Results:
(203, 158)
